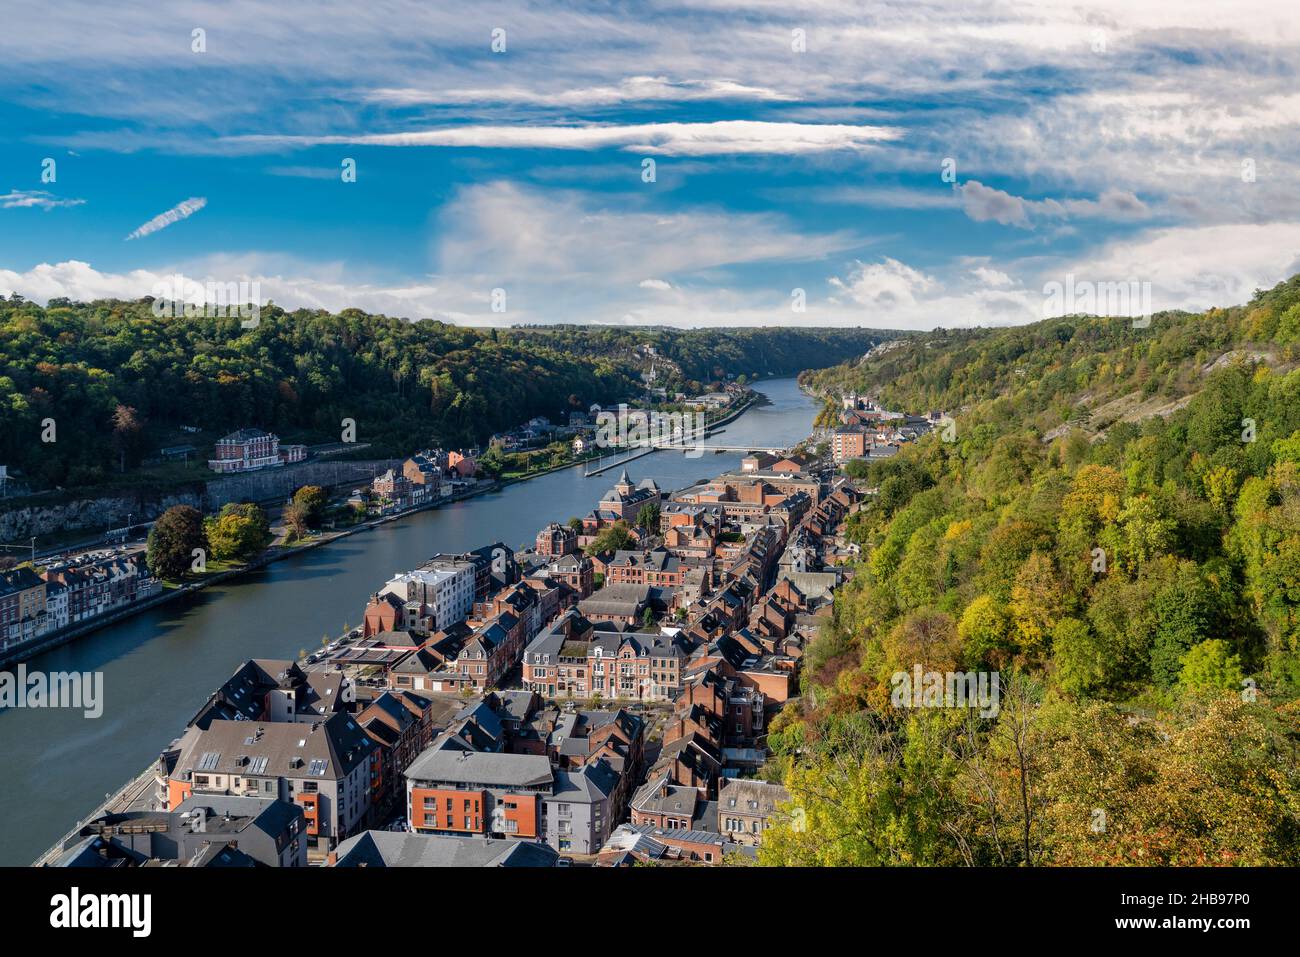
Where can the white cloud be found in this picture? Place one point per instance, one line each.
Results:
(316, 287)
(723, 137)
(659, 284)
(35, 199)
(629, 90)
(886, 284)
(1194, 267)
(182, 210)
(992, 277)
(983, 203)
(508, 234)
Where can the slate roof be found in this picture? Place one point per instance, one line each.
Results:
(482, 768)
(402, 849)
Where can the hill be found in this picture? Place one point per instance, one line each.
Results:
(405, 384)
(1114, 533)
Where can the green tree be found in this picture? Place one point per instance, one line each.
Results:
(238, 532)
(615, 538)
(648, 516)
(1211, 666)
(312, 499)
(172, 540)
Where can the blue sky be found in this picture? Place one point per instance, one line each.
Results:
(796, 146)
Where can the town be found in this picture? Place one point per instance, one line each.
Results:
(601, 697)
(62, 595)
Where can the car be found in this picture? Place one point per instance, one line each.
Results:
(564, 862)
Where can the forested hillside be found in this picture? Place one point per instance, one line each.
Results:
(299, 374)
(1115, 531)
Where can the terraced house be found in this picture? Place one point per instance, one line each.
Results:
(452, 791)
(330, 768)
(572, 658)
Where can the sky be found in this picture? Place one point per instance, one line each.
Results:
(702, 163)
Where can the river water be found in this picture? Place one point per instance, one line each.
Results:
(158, 667)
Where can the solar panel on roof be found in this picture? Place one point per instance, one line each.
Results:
(209, 761)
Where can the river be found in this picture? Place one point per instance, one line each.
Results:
(158, 667)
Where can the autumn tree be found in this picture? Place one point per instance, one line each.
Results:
(173, 539)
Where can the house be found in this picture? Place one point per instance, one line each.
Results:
(464, 792)
(394, 489)
(746, 809)
(665, 805)
(490, 652)
(443, 591)
(266, 689)
(397, 849)
(22, 605)
(571, 658)
(623, 604)
(461, 791)
(645, 842)
(556, 540)
(401, 723)
(622, 503)
(289, 454)
(207, 831)
(424, 473)
(648, 567)
(331, 768)
(462, 463)
(248, 450)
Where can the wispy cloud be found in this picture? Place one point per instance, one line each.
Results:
(35, 199)
(723, 137)
(178, 212)
(983, 203)
(633, 89)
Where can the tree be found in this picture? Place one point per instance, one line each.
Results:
(312, 499)
(612, 539)
(985, 632)
(238, 532)
(296, 522)
(1037, 603)
(575, 523)
(648, 619)
(128, 435)
(648, 517)
(1078, 668)
(1211, 666)
(172, 540)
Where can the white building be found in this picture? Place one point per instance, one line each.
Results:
(447, 592)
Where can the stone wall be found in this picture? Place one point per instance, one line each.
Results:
(113, 510)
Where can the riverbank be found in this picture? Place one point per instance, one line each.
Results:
(275, 553)
(24, 652)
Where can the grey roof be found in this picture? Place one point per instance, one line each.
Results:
(400, 849)
(271, 816)
(595, 782)
(750, 796)
(660, 797)
(328, 749)
(616, 599)
(479, 768)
